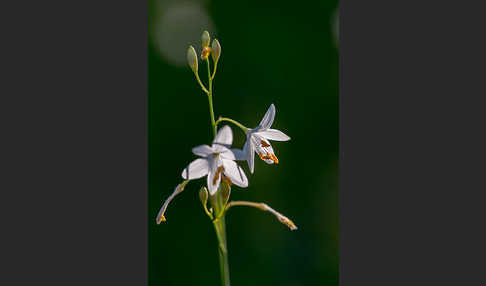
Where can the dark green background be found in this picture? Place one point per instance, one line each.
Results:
(272, 52)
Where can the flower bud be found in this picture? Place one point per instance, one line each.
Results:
(192, 58)
(205, 38)
(203, 195)
(216, 50)
(225, 192)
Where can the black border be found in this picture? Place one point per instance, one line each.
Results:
(75, 167)
(412, 143)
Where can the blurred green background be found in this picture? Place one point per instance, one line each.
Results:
(284, 53)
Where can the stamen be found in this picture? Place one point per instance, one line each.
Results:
(261, 156)
(268, 156)
(205, 53)
(227, 180)
(264, 144)
(274, 158)
(219, 171)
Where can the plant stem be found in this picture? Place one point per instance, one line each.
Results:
(200, 83)
(217, 201)
(220, 228)
(264, 207)
(210, 98)
(244, 128)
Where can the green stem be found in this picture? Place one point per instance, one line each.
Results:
(210, 98)
(243, 127)
(200, 83)
(220, 228)
(217, 201)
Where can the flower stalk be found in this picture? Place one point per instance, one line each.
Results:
(210, 98)
(218, 204)
(264, 207)
(217, 162)
(241, 126)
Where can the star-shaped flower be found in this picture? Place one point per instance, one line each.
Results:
(217, 163)
(257, 141)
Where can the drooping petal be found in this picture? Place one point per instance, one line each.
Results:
(274, 134)
(224, 137)
(214, 175)
(196, 169)
(160, 217)
(267, 120)
(235, 173)
(202, 150)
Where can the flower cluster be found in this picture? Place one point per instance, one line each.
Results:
(217, 161)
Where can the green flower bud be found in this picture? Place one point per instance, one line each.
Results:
(192, 58)
(203, 195)
(216, 50)
(225, 192)
(205, 38)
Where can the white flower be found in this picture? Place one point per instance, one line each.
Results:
(217, 160)
(257, 141)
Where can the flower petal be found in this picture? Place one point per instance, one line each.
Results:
(214, 176)
(228, 154)
(160, 217)
(218, 148)
(224, 136)
(212, 188)
(196, 169)
(251, 155)
(202, 150)
(274, 134)
(235, 173)
(240, 155)
(262, 147)
(267, 120)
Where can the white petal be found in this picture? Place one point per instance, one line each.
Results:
(274, 134)
(259, 149)
(251, 155)
(196, 169)
(224, 136)
(202, 150)
(267, 120)
(228, 154)
(212, 188)
(240, 155)
(213, 167)
(218, 148)
(235, 173)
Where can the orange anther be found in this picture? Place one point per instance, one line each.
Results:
(264, 144)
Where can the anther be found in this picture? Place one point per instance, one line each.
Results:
(264, 144)
(269, 156)
(205, 53)
(274, 158)
(227, 180)
(219, 171)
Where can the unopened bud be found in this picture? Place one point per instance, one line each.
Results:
(205, 38)
(203, 195)
(192, 58)
(216, 52)
(225, 192)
